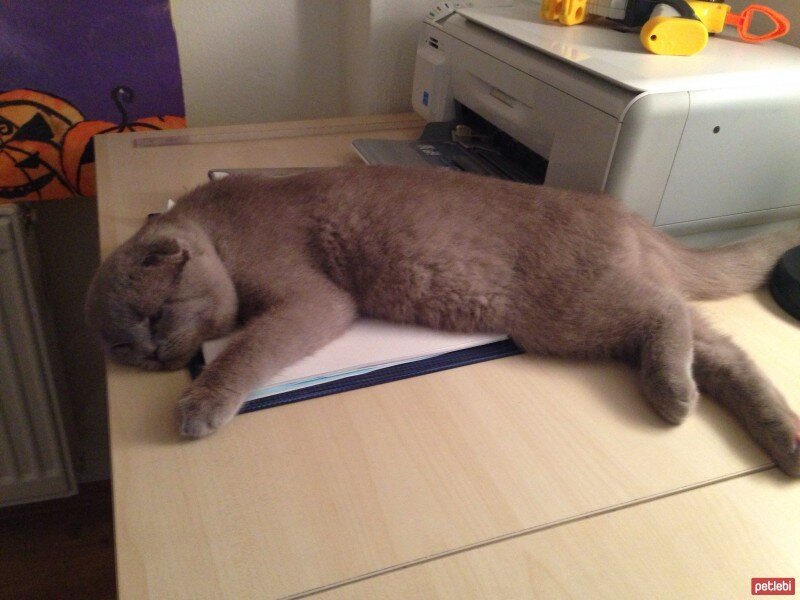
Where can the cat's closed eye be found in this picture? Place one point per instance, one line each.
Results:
(122, 349)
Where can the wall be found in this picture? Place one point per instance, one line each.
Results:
(251, 61)
(384, 60)
(255, 61)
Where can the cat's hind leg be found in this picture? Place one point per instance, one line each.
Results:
(638, 323)
(665, 356)
(726, 374)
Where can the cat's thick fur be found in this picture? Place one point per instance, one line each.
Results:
(294, 260)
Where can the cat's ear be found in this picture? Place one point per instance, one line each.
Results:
(166, 252)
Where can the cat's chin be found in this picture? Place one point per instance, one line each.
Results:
(151, 366)
(174, 365)
(156, 365)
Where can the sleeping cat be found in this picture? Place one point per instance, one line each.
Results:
(291, 262)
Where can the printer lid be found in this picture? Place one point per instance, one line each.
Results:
(619, 56)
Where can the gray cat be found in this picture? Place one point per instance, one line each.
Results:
(291, 262)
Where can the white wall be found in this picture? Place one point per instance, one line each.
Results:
(254, 60)
(250, 60)
(385, 65)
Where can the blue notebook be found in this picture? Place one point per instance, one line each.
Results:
(370, 353)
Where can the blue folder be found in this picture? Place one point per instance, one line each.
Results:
(449, 360)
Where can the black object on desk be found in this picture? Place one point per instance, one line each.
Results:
(785, 282)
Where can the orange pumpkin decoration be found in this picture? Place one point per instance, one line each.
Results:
(77, 157)
(32, 128)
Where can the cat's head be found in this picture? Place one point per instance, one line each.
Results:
(157, 297)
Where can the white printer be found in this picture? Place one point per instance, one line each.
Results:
(698, 143)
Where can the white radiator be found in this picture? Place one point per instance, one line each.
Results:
(34, 456)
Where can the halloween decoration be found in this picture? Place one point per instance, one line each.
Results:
(79, 51)
(78, 151)
(32, 128)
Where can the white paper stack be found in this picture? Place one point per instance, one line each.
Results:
(367, 346)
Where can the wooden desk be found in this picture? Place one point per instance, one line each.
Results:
(521, 477)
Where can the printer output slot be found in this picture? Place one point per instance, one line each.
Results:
(468, 143)
(499, 153)
(574, 136)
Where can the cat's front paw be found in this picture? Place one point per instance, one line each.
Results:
(201, 412)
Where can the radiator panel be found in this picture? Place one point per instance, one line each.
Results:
(34, 456)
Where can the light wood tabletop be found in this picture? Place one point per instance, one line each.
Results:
(520, 477)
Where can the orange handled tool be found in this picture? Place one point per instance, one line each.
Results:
(744, 20)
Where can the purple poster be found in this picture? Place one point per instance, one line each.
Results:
(73, 69)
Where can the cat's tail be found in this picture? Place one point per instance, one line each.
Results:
(725, 373)
(730, 269)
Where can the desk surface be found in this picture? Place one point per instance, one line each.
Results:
(505, 478)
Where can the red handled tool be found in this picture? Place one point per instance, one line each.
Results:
(744, 20)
